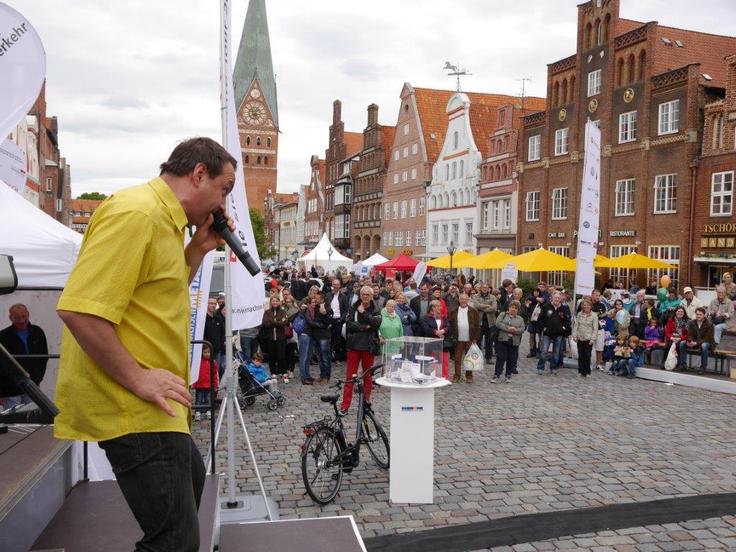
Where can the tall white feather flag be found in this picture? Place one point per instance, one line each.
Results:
(247, 296)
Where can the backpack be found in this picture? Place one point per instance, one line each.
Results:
(300, 324)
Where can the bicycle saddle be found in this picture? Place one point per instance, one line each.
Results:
(329, 398)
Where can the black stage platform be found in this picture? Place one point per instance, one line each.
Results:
(332, 534)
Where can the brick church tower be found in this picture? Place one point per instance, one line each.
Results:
(255, 98)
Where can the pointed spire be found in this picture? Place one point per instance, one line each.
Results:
(254, 58)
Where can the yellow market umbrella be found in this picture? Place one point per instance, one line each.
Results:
(459, 260)
(601, 261)
(634, 261)
(490, 260)
(541, 260)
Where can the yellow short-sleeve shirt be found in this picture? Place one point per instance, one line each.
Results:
(132, 272)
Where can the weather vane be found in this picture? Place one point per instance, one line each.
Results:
(456, 71)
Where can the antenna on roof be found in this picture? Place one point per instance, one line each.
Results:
(456, 71)
(523, 80)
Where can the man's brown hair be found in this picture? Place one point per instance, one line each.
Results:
(203, 150)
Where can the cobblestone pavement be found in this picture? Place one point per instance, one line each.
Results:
(537, 444)
(709, 534)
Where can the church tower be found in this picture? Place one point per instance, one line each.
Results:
(255, 98)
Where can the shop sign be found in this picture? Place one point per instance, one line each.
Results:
(622, 233)
(723, 243)
(724, 228)
(556, 235)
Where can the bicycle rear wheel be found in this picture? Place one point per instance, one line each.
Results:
(322, 466)
(376, 440)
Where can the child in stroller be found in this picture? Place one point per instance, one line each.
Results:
(254, 380)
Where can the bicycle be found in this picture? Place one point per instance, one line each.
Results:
(326, 453)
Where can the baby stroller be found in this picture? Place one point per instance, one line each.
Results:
(250, 387)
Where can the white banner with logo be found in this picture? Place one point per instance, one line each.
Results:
(13, 166)
(589, 221)
(247, 294)
(22, 68)
(419, 271)
(199, 292)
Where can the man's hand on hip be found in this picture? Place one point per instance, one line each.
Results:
(157, 385)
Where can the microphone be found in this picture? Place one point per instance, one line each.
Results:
(220, 226)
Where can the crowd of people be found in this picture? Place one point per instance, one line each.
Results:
(318, 319)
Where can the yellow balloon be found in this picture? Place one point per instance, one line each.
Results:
(665, 281)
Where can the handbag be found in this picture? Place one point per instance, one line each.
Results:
(288, 331)
(473, 359)
(671, 362)
(536, 312)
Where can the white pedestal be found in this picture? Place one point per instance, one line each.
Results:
(412, 441)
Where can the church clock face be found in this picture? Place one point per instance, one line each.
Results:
(255, 114)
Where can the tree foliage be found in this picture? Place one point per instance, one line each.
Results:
(92, 195)
(265, 249)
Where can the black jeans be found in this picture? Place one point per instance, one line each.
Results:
(338, 343)
(506, 354)
(488, 333)
(161, 476)
(584, 351)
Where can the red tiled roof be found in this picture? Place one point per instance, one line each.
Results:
(77, 219)
(286, 198)
(353, 143)
(704, 48)
(432, 105)
(387, 140)
(88, 205)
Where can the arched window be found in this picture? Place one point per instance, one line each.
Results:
(606, 27)
(433, 202)
(247, 140)
(565, 101)
(631, 69)
(556, 94)
(598, 32)
(447, 172)
(246, 159)
(715, 131)
(265, 159)
(503, 172)
(258, 161)
(454, 170)
(498, 172)
(620, 72)
(642, 64)
(455, 138)
(462, 168)
(572, 88)
(268, 142)
(446, 200)
(258, 140)
(454, 199)
(587, 36)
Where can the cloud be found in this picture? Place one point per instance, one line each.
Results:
(128, 80)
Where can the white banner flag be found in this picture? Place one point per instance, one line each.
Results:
(248, 296)
(199, 292)
(419, 271)
(589, 221)
(22, 67)
(13, 166)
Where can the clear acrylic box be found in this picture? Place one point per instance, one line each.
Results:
(412, 360)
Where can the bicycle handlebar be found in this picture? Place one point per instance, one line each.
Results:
(355, 378)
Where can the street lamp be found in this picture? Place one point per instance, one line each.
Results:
(451, 250)
(329, 258)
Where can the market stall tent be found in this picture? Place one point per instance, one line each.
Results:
(44, 250)
(399, 263)
(319, 257)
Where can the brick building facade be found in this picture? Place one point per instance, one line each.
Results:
(419, 135)
(499, 185)
(714, 224)
(368, 190)
(342, 145)
(314, 204)
(81, 211)
(645, 85)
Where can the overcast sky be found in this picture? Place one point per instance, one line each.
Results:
(129, 79)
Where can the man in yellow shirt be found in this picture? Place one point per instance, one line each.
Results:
(124, 356)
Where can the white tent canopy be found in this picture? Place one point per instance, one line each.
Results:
(44, 250)
(375, 259)
(318, 257)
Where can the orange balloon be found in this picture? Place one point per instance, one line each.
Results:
(665, 281)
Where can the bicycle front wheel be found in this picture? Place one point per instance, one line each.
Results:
(322, 466)
(376, 440)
